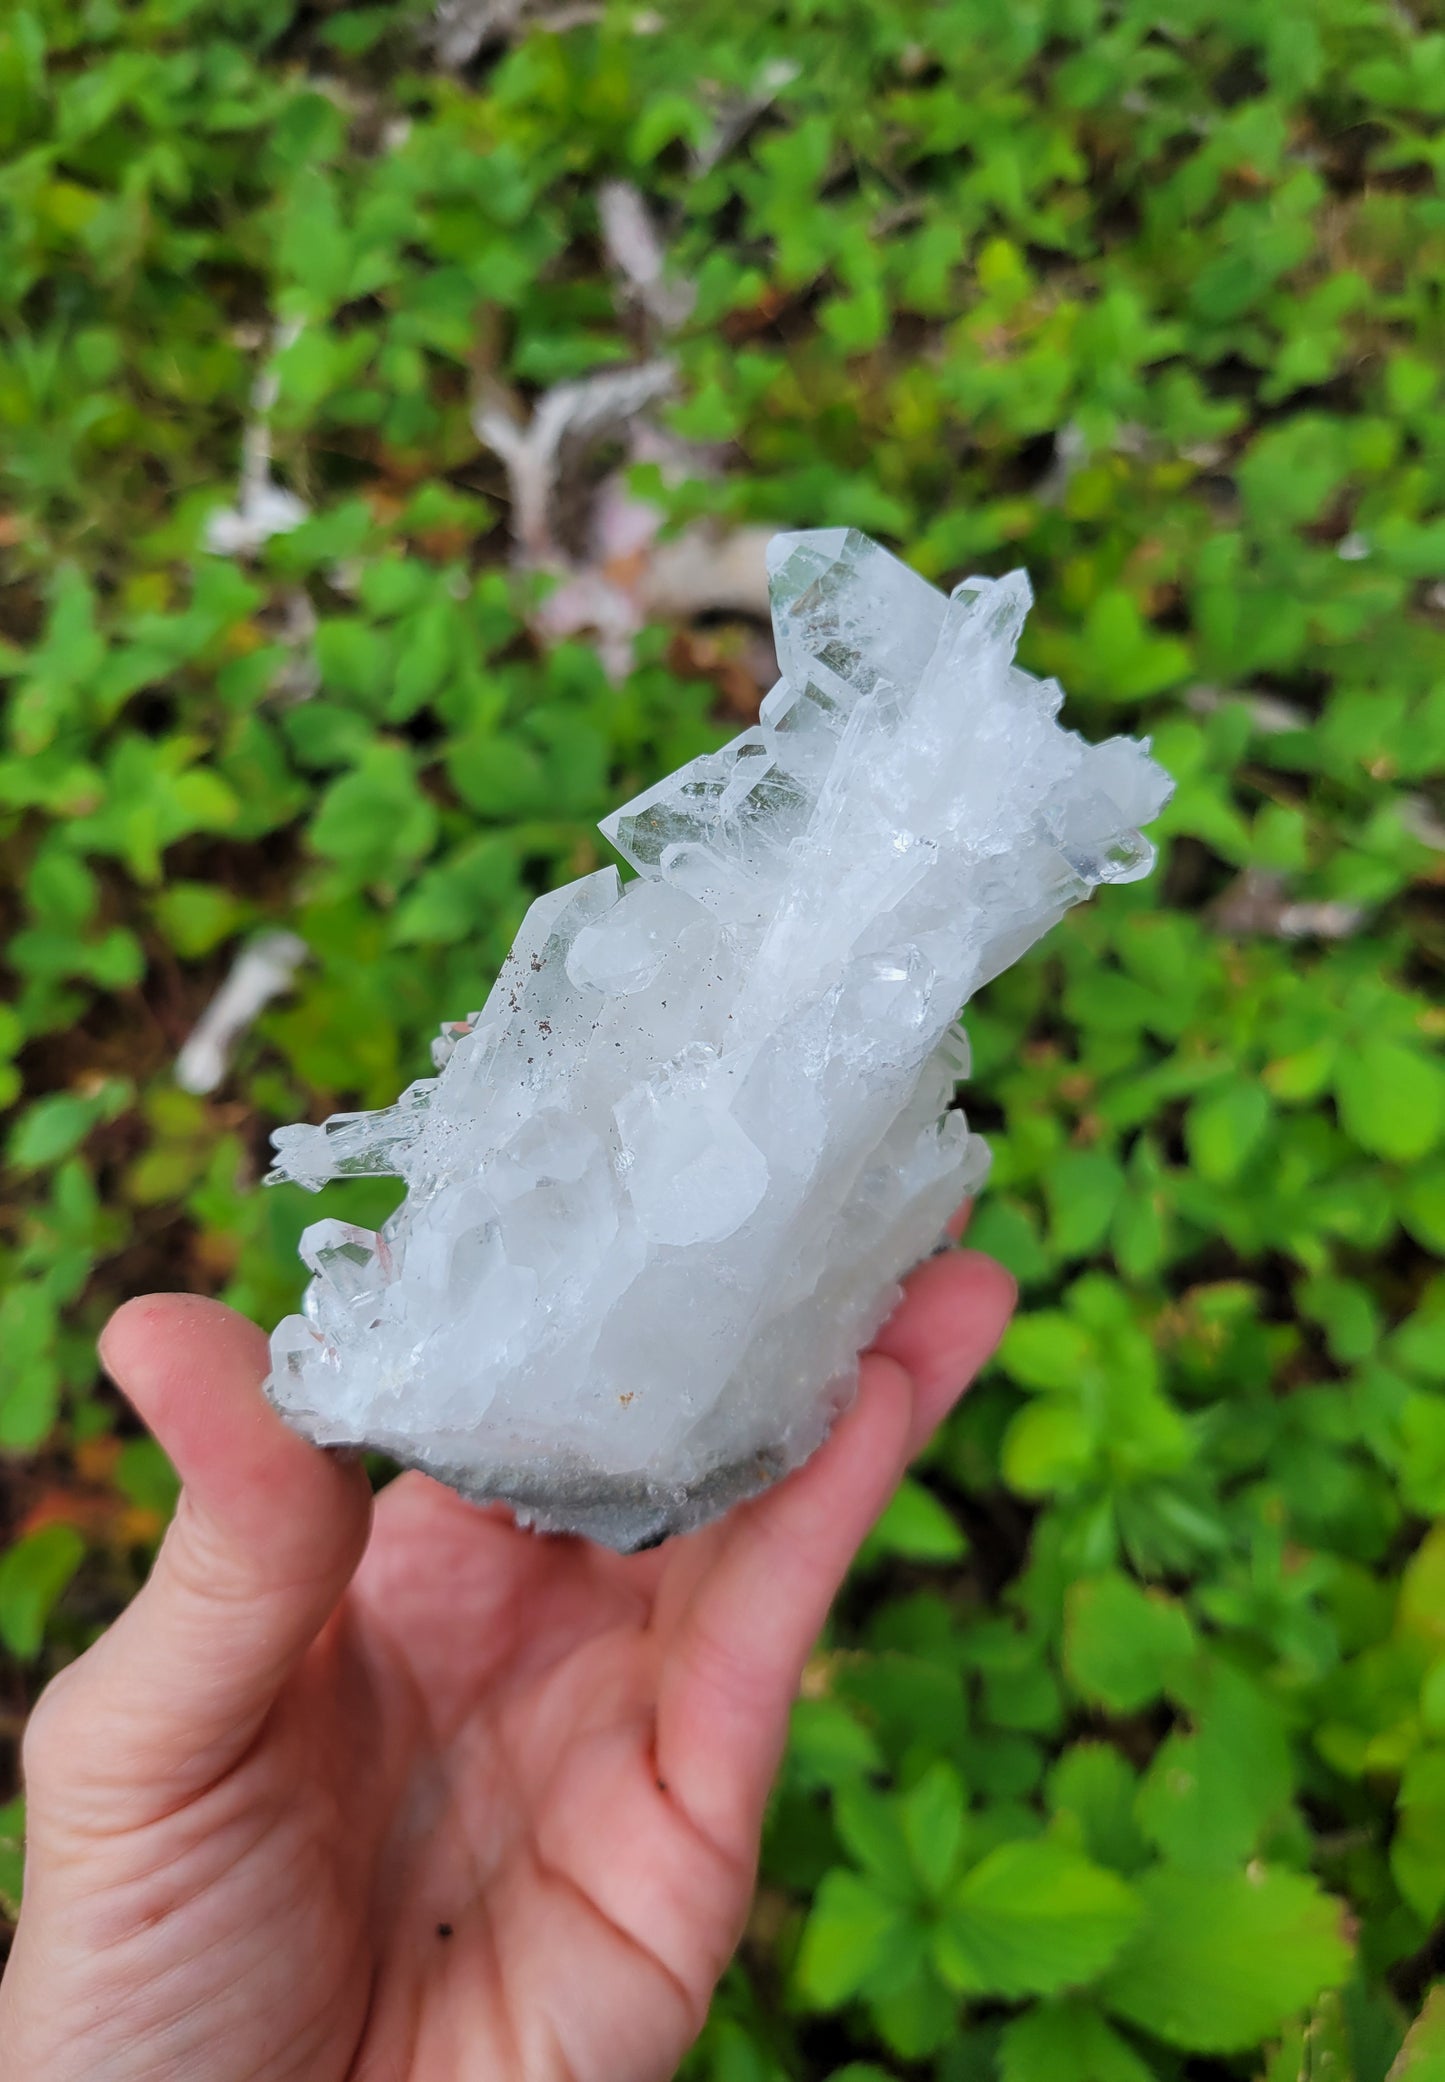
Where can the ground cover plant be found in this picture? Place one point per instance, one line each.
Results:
(1125, 1756)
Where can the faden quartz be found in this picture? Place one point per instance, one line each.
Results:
(665, 1182)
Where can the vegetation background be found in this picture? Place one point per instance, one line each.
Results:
(1126, 1756)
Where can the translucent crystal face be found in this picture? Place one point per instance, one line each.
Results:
(666, 1180)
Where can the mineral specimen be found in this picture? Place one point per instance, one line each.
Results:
(666, 1180)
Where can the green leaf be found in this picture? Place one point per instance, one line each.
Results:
(1095, 1788)
(1067, 2042)
(1120, 657)
(451, 899)
(1049, 1447)
(428, 645)
(197, 916)
(1082, 1189)
(12, 1857)
(30, 1379)
(934, 1814)
(830, 1746)
(1221, 1960)
(34, 1574)
(1046, 1349)
(1032, 1919)
(1391, 1099)
(376, 821)
(1422, 1209)
(1417, 1850)
(870, 1824)
(666, 117)
(1304, 1074)
(1422, 2057)
(52, 1127)
(1418, 1344)
(854, 1939)
(917, 1526)
(354, 659)
(1123, 1644)
(917, 2016)
(1422, 1461)
(1348, 1312)
(499, 775)
(61, 889)
(1225, 1127)
(1209, 1795)
(145, 1477)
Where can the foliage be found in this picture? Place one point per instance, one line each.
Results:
(1127, 1753)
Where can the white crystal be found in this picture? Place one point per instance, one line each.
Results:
(667, 1179)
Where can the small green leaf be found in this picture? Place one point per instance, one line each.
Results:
(498, 774)
(145, 1477)
(917, 1526)
(1068, 2042)
(451, 899)
(1391, 1099)
(1046, 1350)
(33, 1575)
(1032, 1919)
(854, 1938)
(30, 1378)
(12, 1857)
(830, 1746)
(427, 646)
(935, 1815)
(52, 1127)
(1296, 1078)
(916, 2015)
(354, 660)
(1225, 1127)
(1082, 1189)
(376, 820)
(1095, 1787)
(1347, 1311)
(1049, 1447)
(1122, 1643)
(870, 1824)
(1422, 1208)
(1422, 2057)
(1417, 1851)
(197, 916)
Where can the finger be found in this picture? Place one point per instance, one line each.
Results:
(732, 1667)
(952, 1314)
(738, 1649)
(265, 1538)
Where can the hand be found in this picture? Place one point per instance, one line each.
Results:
(404, 1794)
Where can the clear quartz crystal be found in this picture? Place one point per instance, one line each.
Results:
(666, 1181)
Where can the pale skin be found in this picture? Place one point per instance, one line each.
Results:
(395, 1792)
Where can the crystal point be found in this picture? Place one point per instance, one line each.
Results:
(665, 1182)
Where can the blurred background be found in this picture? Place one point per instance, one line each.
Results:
(393, 405)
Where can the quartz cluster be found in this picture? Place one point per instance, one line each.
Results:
(665, 1182)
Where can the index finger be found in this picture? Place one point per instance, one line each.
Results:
(738, 1647)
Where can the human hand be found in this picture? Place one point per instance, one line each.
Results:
(403, 1794)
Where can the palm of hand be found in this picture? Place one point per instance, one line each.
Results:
(482, 1804)
(541, 1901)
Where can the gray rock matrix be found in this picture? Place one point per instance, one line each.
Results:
(665, 1183)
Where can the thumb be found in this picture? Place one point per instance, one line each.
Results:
(264, 1541)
